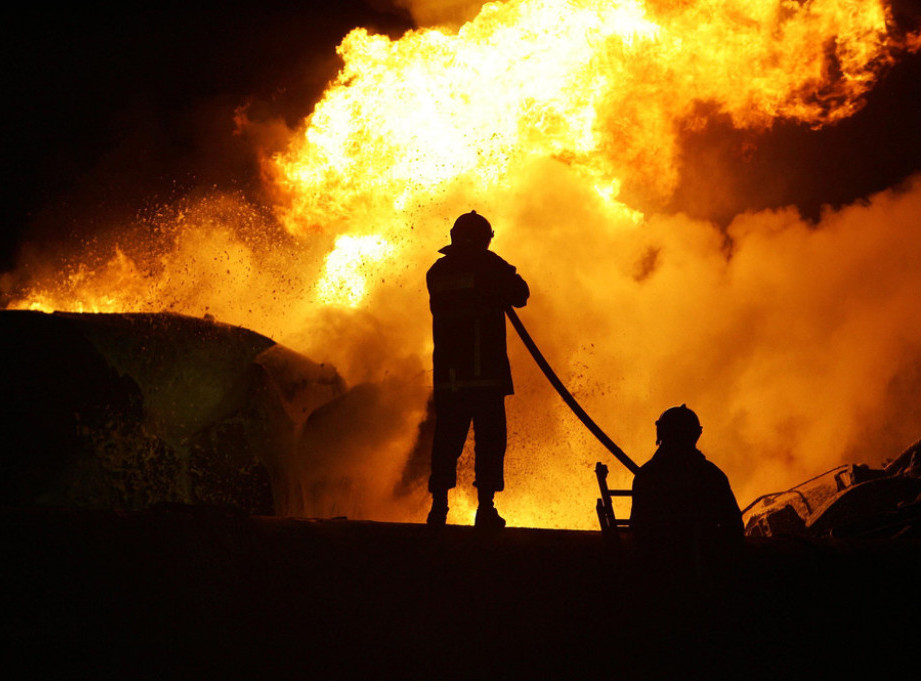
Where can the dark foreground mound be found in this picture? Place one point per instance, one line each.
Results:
(124, 411)
(192, 593)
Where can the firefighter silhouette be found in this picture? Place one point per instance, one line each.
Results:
(469, 290)
(683, 505)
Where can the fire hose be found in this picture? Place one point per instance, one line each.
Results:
(566, 395)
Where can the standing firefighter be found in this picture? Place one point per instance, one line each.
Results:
(683, 507)
(469, 290)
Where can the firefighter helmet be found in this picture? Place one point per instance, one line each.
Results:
(471, 229)
(678, 425)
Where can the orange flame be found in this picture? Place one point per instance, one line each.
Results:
(602, 87)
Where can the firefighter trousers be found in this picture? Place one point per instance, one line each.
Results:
(454, 412)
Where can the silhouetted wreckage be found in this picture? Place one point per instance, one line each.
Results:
(132, 411)
(851, 501)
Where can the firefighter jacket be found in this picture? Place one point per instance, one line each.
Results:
(469, 290)
(682, 501)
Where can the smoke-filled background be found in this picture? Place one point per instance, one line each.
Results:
(718, 231)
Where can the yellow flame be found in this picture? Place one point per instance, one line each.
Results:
(601, 86)
(345, 278)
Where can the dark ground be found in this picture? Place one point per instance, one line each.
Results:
(184, 592)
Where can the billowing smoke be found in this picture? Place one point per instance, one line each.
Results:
(794, 342)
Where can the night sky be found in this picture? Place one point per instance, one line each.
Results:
(109, 110)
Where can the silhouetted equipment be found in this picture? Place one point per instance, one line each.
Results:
(604, 507)
(577, 409)
(848, 501)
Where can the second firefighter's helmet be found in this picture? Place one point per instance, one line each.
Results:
(678, 425)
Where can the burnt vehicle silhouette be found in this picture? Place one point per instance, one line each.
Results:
(848, 501)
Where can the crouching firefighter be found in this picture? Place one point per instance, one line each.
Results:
(684, 511)
(469, 290)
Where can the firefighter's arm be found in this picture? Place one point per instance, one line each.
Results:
(517, 291)
(638, 509)
(502, 283)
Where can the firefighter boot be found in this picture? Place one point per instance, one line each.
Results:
(438, 516)
(487, 517)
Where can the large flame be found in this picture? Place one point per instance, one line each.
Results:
(557, 119)
(599, 86)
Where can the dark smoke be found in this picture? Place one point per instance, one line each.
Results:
(729, 171)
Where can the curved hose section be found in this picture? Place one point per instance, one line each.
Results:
(566, 395)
